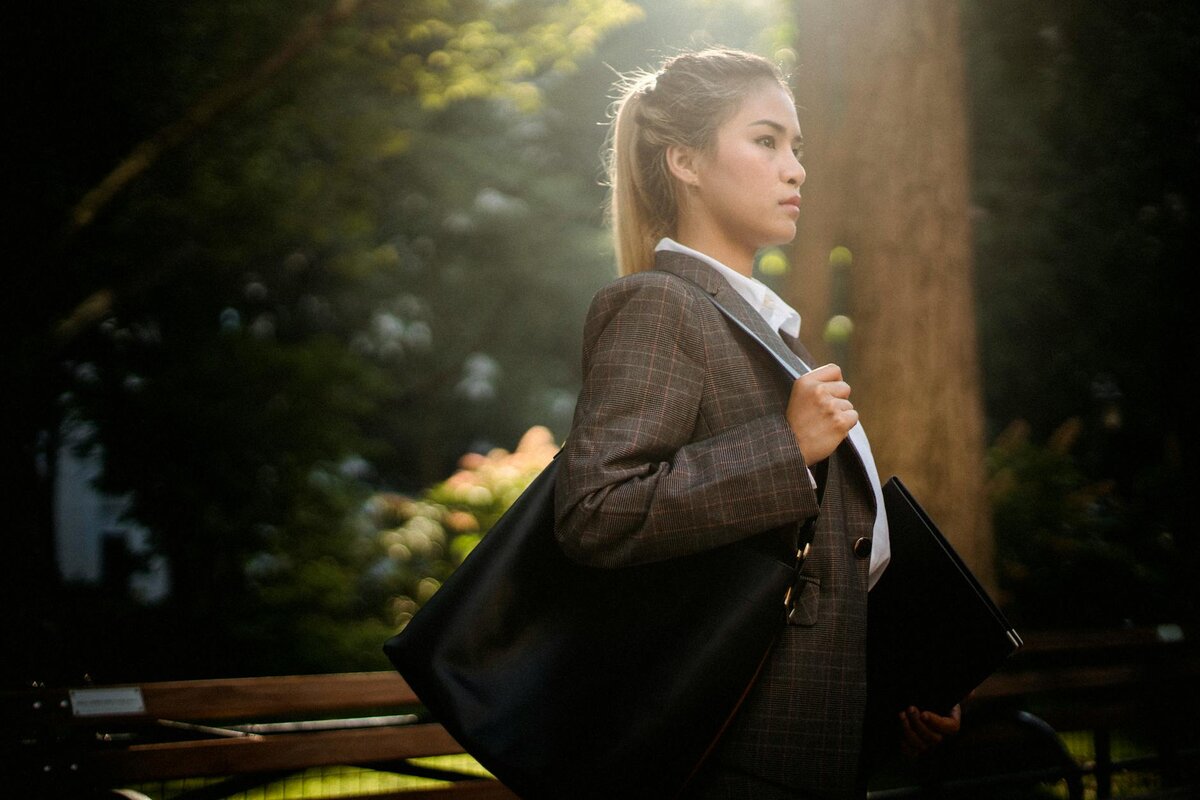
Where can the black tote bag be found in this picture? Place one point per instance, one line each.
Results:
(567, 681)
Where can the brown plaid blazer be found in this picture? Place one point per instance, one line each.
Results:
(680, 443)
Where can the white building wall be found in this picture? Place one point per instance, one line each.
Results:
(84, 516)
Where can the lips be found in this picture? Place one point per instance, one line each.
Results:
(791, 201)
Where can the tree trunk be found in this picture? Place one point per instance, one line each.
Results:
(881, 90)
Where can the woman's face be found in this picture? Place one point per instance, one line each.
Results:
(743, 192)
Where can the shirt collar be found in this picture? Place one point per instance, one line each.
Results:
(770, 306)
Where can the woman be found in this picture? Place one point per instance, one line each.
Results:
(688, 436)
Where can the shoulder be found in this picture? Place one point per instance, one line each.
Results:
(648, 283)
(653, 292)
(653, 307)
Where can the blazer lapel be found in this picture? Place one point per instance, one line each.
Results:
(712, 282)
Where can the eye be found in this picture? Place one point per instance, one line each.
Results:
(798, 152)
(767, 141)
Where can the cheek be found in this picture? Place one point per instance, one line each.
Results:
(749, 160)
(738, 160)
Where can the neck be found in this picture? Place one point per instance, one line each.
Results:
(700, 238)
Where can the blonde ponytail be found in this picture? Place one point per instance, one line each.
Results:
(637, 226)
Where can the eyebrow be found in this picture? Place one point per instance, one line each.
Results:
(782, 131)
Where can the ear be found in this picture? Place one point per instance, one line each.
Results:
(683, 162)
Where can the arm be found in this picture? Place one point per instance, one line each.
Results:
(647, 474)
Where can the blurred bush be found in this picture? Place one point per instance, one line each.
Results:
(423, 539)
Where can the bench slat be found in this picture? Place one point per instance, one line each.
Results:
(194, 759)
(256, 697)
(232, 699)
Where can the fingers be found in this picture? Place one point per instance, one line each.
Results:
(945, 725)
(936, 723)
(916, 737)
(921, 731)
(830, 381)
(831, 394)
(826, 372)
(820, 412)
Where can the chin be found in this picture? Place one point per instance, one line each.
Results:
(781, 238)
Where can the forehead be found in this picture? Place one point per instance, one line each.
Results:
(769, 102)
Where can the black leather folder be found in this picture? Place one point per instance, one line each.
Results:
(933, 633)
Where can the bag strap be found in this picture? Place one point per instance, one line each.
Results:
(788, 367)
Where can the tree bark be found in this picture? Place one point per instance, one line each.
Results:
(881, 89)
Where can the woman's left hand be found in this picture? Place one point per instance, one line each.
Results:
(921, 731)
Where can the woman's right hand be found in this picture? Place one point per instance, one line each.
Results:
(820, 413)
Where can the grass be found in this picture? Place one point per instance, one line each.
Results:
(327, 782)
(1081, 745)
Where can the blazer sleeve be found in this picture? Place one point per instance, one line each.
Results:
(643, 477)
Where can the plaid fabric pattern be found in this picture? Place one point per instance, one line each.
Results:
(680, 444)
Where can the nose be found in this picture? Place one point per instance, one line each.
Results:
(794, 171)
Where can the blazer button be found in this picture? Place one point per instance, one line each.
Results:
(862, 547)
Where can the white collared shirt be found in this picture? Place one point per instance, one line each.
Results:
(782, 317)
(778, 314)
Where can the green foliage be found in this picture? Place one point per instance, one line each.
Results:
(443, 53)
(1068, 552)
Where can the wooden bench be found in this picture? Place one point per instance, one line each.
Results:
(247, 731)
